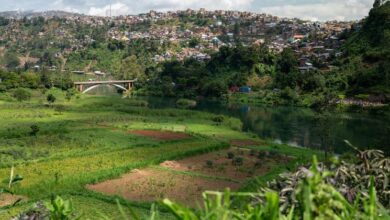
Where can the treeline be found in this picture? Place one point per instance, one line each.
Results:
(34, 80)
(367, 55)
(255, 66)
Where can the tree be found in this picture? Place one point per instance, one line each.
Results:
(377, 3)
(51, 98)
(287, 70)
(21, 94)
(30, 80)
(131, 69)
(11, 61)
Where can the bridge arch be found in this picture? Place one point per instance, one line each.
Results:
(124, 85)
(97, 85)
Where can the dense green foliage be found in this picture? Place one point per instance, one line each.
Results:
(368, 55)
(362, 73)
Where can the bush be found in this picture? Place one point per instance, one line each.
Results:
(238, 161)
(209, 164)
(219, 119)
(21, 94)
(273, 153)
(34, 130)
(51, 98)
(261, 155)
(230, 155)
(70, 93)
(186, 103)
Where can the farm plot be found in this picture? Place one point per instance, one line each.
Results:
(185, 180)
(237, 164)
(151, 184)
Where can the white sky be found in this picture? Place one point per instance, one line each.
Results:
(306, 9)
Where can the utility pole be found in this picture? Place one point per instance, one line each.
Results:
(110, 8)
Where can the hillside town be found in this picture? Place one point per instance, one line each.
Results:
(189, 33)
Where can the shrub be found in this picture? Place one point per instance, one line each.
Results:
(238, 161)
(230, 155)
(34, 130)
(21, 94)
(51, 98)
(273, 153)
(218, 119)
(252, 153)
(261, 155)
(209, 164)
(69, 94)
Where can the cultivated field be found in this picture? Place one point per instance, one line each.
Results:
(95, 150)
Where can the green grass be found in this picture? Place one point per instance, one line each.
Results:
(89, 141)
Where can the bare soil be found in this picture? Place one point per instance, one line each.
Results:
(245, 143)
(161, 135)
(152, 184)
(8, 199)
(219, 165)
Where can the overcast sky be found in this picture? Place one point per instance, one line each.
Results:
(306, 9)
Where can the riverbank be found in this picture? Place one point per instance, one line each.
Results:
(309, 101)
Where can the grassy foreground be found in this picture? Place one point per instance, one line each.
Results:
(59, 148)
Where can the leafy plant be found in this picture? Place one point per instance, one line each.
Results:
(60, 209)
(51, 98)
(350, 179)
(315, 199)
(21, 94)
(230, 155)
(34, 130)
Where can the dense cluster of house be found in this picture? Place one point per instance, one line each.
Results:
(314, 42)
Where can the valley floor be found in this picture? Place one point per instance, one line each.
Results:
(96, 150)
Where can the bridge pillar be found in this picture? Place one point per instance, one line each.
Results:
(80, 88)
(129, 85)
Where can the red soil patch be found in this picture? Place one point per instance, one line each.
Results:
(153, 184)
(161, 135)
(219, 165)
(8, 199)
(245, 143)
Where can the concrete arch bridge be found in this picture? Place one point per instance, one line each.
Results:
(84, 87)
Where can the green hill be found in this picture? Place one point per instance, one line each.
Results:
(367, 61)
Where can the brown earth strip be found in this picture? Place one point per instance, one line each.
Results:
(245, 143)
(161, 135)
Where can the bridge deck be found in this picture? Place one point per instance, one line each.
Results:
(104, 82)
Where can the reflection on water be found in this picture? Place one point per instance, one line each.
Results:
(301, 126)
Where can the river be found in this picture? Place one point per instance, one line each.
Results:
(301, 126)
